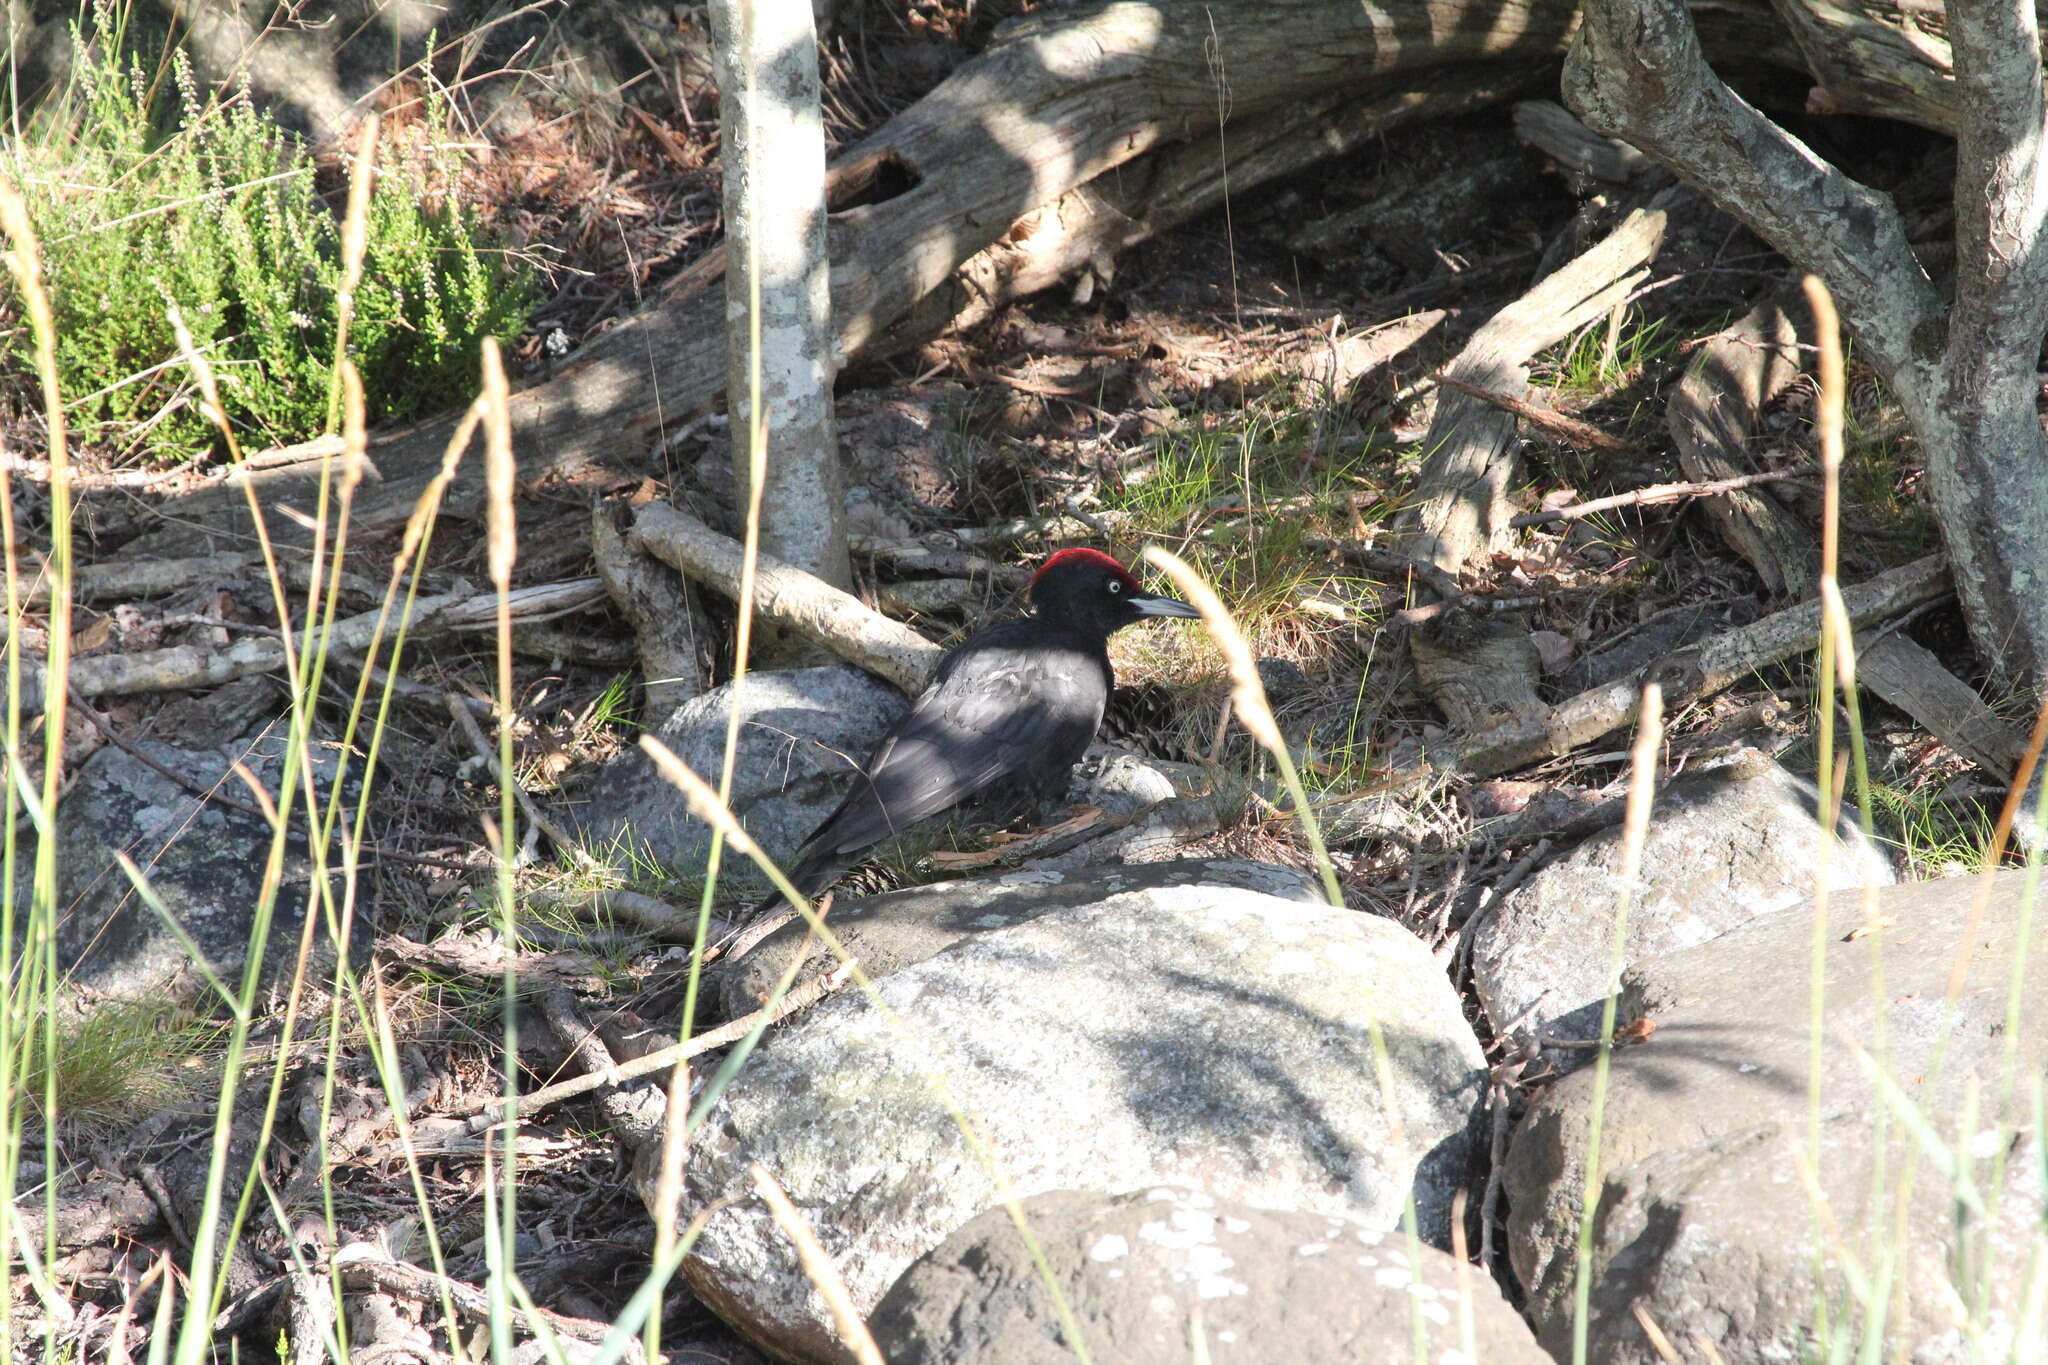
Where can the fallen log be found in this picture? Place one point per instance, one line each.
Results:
(1698, 671)
(1064, 98)
(181, 668)
(1910, 677)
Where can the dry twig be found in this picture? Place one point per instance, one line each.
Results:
(535, 816)
(1570, 430)
(1654, 495)
(801, 998)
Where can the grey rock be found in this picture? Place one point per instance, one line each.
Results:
(802, 735)
(1184, 1035)
(1123, 783)
(203, 859)
(1144, 1274)
(1723, 849)
(1704, 1215)
(890, 932)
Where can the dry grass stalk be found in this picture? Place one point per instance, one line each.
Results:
(1635, 831)
(1658, 1341)
(818, 1268)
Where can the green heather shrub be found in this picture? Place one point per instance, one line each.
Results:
(146, 198)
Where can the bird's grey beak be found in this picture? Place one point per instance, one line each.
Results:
(1164, 606)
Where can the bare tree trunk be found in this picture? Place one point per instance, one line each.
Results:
(1963, 369)
(778, 283)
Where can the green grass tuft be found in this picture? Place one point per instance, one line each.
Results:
(116, 1062)
(149, 194)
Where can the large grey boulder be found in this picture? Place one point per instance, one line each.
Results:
(1706, 1216)
(889, 932)
(1183, 1035)
(204, 859)
(1724, 848)
(1147, 1274)
(802, 734)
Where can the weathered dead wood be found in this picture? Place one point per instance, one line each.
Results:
(635, 1116)
(361, 1267)
(809, 606)
(1057, 526)
(1714, 411)
(1066, 97)
(1655, 495)
(1555, 130)
(658, 363)
(662, 1059)
(311, 1315)
(1963, 362)
(1159, 832)
(135, 579)
(1468, 465)
(1911, 678)
(1890, 60)
(1480, 672)
(536, 818)
(657, 602)
(95, 1209)
(1087, 823)
(183, 667)
(1357, 356)
(1406, 215)
(1699, 671)
(636, 908)
(559, 646)
(379, 1328)
(131, 580)
(935, 597)
(915, 557)
(458, 954)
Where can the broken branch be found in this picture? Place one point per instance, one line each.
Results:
(1460, 502)
(789, 597)
(183, 667)
(1699, 671)
(1654, 495)
(1571, 430)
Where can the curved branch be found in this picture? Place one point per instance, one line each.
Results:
(1636, 72)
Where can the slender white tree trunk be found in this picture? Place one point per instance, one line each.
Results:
(774, 160)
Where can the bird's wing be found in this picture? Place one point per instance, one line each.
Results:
(994, 713)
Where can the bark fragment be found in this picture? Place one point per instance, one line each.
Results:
(1714, 412)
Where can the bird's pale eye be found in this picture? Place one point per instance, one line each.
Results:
(1115, 588)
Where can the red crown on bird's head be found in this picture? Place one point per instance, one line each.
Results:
(1079, 556)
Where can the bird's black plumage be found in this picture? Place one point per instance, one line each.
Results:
(1009, 711)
